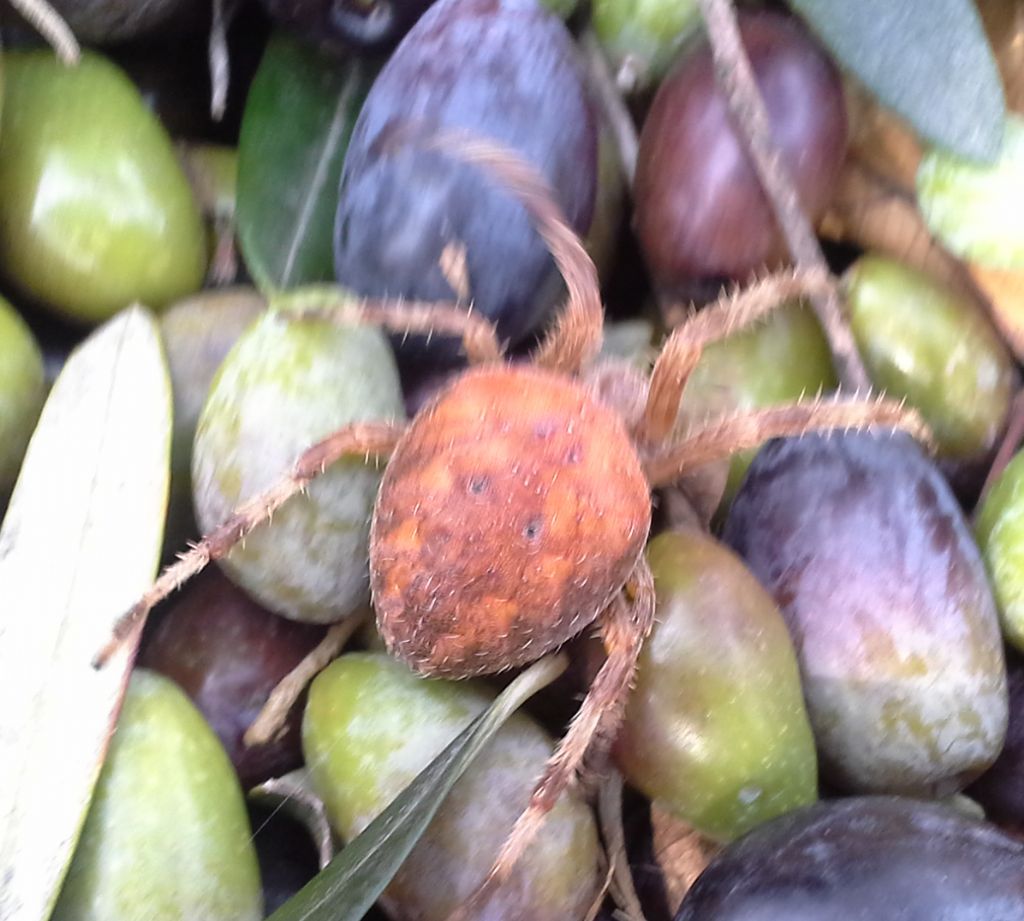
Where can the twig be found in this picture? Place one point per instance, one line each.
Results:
(1007, 448)
(617, 114)
(736, 78)
(223, 11)
(51, 25)
(609, 806)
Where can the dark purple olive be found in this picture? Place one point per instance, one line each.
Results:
(228, 653)
(864, 548)
(500, 69)
(700, 210)
(359, 24)
(864, 859)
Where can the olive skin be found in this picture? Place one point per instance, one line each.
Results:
(715, 728)
(167, 837)
(864, 548)
(22, 391)
(371, 725)
(935, 348)
(88, 226)
(883, 858)
(700, 211)
(1001, 539)
(284, 386)
(227, 653)
(198, 333)
(783, 359)
(1000, 790)
(505, 70)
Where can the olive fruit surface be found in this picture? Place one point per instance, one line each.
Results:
(935, 348)
(227, 653)
(780, 360)
(700, 211)
(505, 70)
(371, 725)
(1000, 790)
(883, 858)
(715, 727)
(22, 390)
(1000, 531)
(167, 837)
(95, 212)
(510, 514)
(861, 543)
(198, 333)
(284, 386)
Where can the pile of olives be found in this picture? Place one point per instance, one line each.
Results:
(833, 694)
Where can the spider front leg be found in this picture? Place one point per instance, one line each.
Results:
(370, 439)
(624, 626)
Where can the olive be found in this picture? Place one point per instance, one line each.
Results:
(371, 725)
(227, 653)
(198, 333)
(505, 70)
(715, 728)
(934, 347)
(1001, 539)
(700, 210)
(95, 212)
(284, 385)
(782, 359)
(167, 836)
(863, 546)
(22, 389)
(883, 858)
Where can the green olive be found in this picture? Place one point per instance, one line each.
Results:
(1000, 533)
(95, 212)
(716, 729)
(780, 360)
(22, 390)
(167, 837)
(923, 342)
(371, 726)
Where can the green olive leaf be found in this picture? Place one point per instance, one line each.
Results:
(929, 60)
(79, 543)
(352, 882)
(295, 130)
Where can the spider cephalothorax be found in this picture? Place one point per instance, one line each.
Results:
(515, 507)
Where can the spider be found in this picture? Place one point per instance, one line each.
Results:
(515, 507)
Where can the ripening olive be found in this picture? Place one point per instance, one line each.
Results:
(283, 386)
(864, 548)
(22, 389)
(371, 725)
(934, 347)
(715, 729)
(167, 837)
(95, 212)
(700, 210)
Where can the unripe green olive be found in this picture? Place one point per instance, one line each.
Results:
(95, 212)
(1000, 533)
(716, 729)
(167, 837)
(22, 389)
(285, 385)
(926, 343)
(371, 726)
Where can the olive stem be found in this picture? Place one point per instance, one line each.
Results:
(222, 12)
(609, 807)
(617, 114)
(1007, 448)
(51, 25)
(736, 78)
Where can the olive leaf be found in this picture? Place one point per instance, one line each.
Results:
(929, 60)
(295, 130)
(352, 882)
(80, 541)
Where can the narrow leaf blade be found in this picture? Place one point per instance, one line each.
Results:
(353, 881)
(80, 541)
(295, 130)
(928, 59)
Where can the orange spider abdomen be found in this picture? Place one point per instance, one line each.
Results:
(511, 512)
